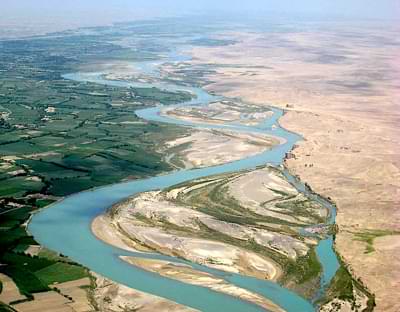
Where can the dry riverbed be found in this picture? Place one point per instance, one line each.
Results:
(113, 297)
(339, 84)
(187, 274)
(247, 223)
(222, 112)
(203, 148)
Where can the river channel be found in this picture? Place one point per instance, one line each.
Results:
(65, 226)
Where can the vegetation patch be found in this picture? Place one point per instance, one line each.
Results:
(212, 196)
(61, 272)
(58, 137)
(368, 237)
(345, 287)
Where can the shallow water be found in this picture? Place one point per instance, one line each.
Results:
(65, 226)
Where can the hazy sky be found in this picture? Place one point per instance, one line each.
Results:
(53, 14)
(359, 8)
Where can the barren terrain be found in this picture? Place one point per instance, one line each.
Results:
(204, 148)
(248, 222)
(222, 112)
(113, 297)
(189, 275)
(339, 83)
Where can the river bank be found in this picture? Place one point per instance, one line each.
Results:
(349, 118)
(302, 264)
(172, 222)
(98, 200)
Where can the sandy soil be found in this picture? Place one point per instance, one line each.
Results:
(113, 297)
(52, 300)
(33, 250)
(76, 290)
(153, 205)
(10, 291)
(256, 187)
(211, 147)
(49, 301)
(207, 252)
(107, 230)
(123, 68)
(123, 229)
(340, 85)
(258, 190)
(173, 223)
(338, 305)
(222, 112)
(191, 276)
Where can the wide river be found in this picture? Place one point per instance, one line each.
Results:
(65, 226)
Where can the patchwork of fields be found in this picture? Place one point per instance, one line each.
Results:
(58, 137)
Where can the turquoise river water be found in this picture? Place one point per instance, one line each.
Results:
(65, 226)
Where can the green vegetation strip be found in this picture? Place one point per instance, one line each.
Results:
(368, 237)
(32, 274)
(213, 199)
(58, 137)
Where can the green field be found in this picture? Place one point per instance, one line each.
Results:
(31, 273)
(58, 137)
(60, 272)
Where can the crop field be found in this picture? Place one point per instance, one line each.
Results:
(31, 273)
(58, 137)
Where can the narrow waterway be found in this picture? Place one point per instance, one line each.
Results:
(65, 226)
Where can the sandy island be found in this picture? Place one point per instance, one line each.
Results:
(181, 221)
(204, 148)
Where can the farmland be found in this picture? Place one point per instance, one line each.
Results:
(58, 137)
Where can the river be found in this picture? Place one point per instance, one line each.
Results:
(65, 226)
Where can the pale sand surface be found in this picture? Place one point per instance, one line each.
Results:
(54, 301)
(113, 297)
(222, 112)
(340, 84)
(339, 305)
(104, 227)
(191, 276)
(153, 205)
(203, 148)
(175, 222)
(207, 252)
(254, 188)
(33, 250)
(257, 188)
(46, 302)
(127, 224)
(10, 291)
(76, 290)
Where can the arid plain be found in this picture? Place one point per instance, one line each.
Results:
(339, 84)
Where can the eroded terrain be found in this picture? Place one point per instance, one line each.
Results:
(204, 148)
(339, 85)
(222, 112)
(247, 222)
(113, 297)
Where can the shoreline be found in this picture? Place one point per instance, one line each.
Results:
(351, 136)
(161, 174)
(191, 276)
(126, 203)
(280, 161)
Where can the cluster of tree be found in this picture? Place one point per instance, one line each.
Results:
(4, 124)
